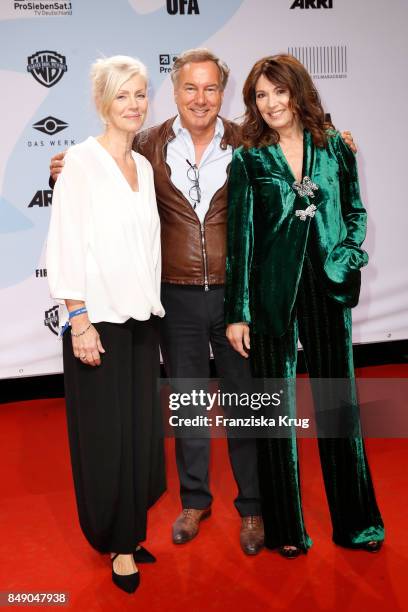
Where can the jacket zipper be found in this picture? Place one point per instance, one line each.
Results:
(206, 285)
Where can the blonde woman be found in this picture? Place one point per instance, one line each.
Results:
(104, 266)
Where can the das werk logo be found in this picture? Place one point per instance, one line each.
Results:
(183, 7)
(50, 125)
(47, 67)
(312, 4)
(51, 319)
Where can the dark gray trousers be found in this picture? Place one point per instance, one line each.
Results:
(194, 318)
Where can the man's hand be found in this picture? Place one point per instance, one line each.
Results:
(238, 335)
(56, 165)
(348, 139)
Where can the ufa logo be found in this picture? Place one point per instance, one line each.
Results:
(183, 7)
(47, 67)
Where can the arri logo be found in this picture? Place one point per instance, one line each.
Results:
(51, 319)
(312, 4)
(43, 197)
(183, 7)
(47, 67)
(50, 125)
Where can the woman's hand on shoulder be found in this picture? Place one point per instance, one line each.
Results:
(87, 346)
(57, 165)
(348, 139)
(239, 338)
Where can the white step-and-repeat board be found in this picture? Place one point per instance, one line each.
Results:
(356, 52)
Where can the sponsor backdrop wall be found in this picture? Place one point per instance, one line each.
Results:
(356, 52)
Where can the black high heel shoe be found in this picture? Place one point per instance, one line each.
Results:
(127, 583)
(289, 552)
(142, 555)
(373, 547)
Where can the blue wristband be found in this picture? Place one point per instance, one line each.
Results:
(71, 315)
(78, 311)
(64, 329)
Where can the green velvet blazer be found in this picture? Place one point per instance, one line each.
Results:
(271, 219)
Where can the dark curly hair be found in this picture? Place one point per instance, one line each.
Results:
(288, 72)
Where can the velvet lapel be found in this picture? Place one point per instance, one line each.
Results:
(308, 161)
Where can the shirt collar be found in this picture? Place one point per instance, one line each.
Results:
(218, 133)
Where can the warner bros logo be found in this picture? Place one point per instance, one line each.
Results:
(51, 319)
(47, 67)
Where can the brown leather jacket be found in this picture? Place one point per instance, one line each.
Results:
(192, 254)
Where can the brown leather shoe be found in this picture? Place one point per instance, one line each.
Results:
(252, 534)
(187, 524)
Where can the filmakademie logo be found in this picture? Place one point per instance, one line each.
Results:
(47, 67)
(166, 61)
(312, 4)
(324, 62)
(50, 125)
(51, 319)
(183, 7)
(44, 9)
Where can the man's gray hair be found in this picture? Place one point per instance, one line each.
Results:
(200, 55)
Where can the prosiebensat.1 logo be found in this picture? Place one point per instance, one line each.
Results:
(44, 9)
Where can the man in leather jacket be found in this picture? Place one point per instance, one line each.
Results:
(190, 155)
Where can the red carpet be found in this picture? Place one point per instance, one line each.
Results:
(42, 548)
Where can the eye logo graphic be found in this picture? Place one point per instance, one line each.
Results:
(51, 319)
(50, 125)
(47, 67)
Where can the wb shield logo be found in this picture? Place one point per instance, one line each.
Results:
(47, 67)
(51, 319)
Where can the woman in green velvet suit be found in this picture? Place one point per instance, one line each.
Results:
(295, 228)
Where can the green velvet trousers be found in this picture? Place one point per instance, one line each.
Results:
(323, 327)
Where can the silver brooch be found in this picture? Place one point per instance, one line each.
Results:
(306, 187)
(308, 212)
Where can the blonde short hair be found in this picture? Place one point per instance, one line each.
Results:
(108, 74)
(200, 54)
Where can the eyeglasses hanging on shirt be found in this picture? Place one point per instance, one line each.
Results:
(194, 192)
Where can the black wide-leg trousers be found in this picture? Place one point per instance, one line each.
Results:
(115, 434)
(323, 327)
(194, 319)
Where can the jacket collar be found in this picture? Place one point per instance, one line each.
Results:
(231, 133)
(308, 158)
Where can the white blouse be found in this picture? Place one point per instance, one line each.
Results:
(103, 244)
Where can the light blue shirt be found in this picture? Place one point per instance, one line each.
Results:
(212, 168)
